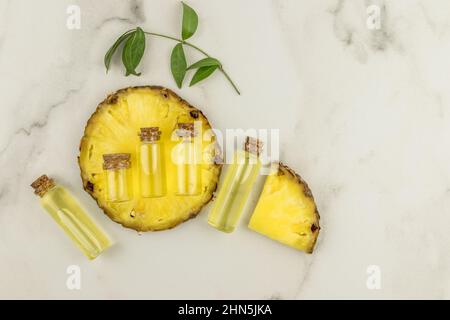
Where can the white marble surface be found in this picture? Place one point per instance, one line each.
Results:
(363, 114)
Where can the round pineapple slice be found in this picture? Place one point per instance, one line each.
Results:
(114, 127)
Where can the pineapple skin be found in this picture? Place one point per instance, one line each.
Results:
(155, 214)
(286, 211)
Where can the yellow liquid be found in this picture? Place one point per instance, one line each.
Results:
(76, 223)
(118, 186)
(188, 170)
(152, 176)
(233, 194)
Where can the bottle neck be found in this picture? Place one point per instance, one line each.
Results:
(186, 139)
(150, 141)
(49, 190)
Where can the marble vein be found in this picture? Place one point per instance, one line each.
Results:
(41, 123)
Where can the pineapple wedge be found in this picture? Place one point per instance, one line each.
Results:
(286, 211)
(114, 127)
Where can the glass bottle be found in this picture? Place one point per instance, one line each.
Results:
(69, 215)
(118, 177)
(238, 182)
(187, 161)
(151, 164)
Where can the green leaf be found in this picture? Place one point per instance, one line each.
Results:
(190, 22)
(178, 64)
(133, 51)
(207, 62)
(202, 73)
(109, 54)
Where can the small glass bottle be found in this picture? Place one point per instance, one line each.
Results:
(118, 177)
(238, 182)
(69, 215)
(151, 164)
(187, 162)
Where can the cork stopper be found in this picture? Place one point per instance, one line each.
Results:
(42, 184)
(253, 145)
(186, 130)
(150, 134)
(115, 161)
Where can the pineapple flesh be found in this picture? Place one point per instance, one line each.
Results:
(286, 211)
(114, 128)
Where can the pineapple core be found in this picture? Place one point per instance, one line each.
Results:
(286, 211)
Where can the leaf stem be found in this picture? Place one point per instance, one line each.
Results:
(199, 50)
(229, 79)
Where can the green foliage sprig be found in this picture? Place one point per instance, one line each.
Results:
(134, 47)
